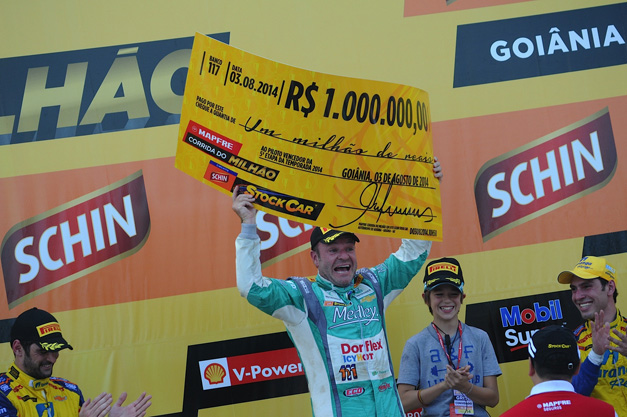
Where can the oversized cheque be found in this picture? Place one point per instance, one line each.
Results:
(316, 148)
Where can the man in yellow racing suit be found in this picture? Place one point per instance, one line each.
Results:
(602, 339)
(48, 397)
(28, 389)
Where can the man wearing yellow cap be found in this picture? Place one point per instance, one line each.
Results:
(602, 338)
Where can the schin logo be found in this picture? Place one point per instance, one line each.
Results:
(545, 174)
(540, 45)
(92, 91)
(280, 237)
(219, 177)
(75, 239)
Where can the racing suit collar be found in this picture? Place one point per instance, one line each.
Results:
(613, 324)
(26, 380)
(325, 284)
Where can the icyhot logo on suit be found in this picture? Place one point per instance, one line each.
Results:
(545, 174)
(75, 239)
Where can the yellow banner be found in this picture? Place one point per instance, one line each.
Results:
(321, 149)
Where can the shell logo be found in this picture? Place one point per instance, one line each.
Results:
(215, 373)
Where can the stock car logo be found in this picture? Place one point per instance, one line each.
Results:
(74, 239)
(545, 174)
(294, 206)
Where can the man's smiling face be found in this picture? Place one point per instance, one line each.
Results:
(590, 296)
(337, 261)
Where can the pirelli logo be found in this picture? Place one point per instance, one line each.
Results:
(443, 266)
(48, 328)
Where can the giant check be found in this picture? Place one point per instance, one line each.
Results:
(321, 149)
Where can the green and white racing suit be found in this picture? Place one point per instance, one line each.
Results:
(339, 332)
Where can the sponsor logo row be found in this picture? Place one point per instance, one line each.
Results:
(221, 174)
(267, 366)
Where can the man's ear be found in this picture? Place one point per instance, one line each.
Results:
(532, 370)
(314, 257)
(611, 287)
(18, 349)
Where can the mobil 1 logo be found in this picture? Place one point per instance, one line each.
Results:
(511, 322)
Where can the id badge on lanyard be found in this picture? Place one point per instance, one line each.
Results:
(461, 404)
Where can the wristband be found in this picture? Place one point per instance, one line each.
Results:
(471, 386)
(595, 358)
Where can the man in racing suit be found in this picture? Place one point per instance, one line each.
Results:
(337, 321)
(28, 389)
(602, 339)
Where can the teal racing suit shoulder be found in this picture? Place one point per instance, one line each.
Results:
(343, 347)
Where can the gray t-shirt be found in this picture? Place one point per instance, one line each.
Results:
(423, 364)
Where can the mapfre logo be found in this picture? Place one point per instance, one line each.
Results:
(545, 174)
(75, 239)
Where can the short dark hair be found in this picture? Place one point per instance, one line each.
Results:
(544, 373)
(26, 344)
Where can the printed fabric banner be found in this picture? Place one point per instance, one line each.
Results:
(321, 149)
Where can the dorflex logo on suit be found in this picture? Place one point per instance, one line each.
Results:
(545, 174)
(535, 46)
(90, 91)
(75, 239)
